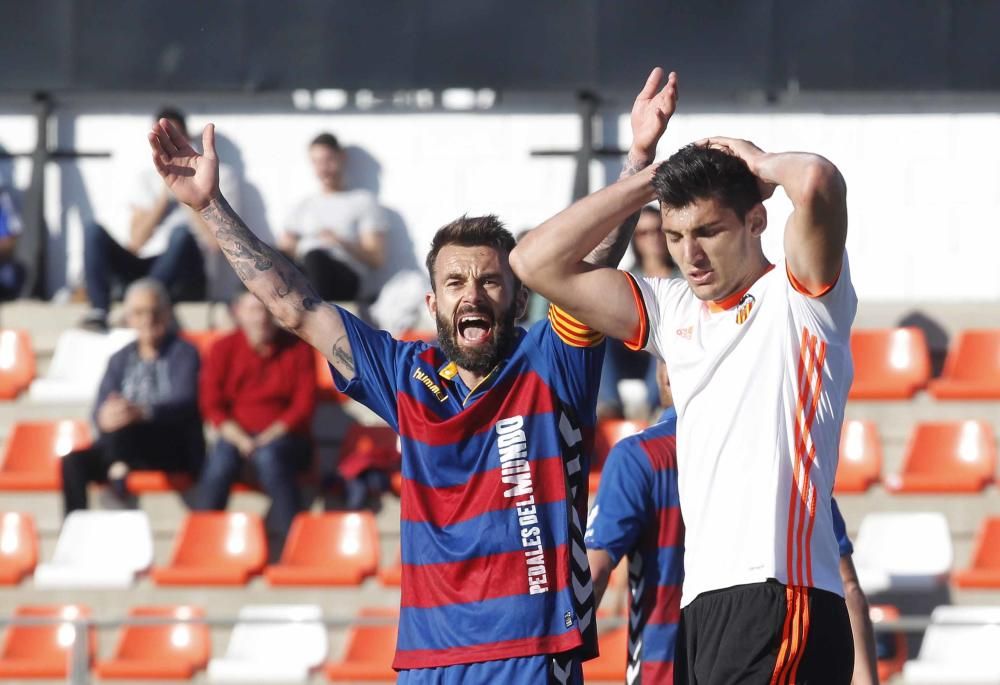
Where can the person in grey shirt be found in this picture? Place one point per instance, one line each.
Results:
(336, 235)
(147, 405)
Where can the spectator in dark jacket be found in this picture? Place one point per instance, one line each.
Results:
(258, 390)
(147, 405)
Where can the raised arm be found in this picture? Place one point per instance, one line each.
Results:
(816, 231)
(194, 180)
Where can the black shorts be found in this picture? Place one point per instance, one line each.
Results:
(767, 634)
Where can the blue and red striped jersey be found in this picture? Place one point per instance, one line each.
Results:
(494, 492)
(636, 514)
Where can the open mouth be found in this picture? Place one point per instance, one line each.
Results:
(475, 328)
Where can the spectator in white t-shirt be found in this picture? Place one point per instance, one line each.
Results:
(162, 243)
(336, 235)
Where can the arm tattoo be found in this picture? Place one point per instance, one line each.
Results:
(611, 250)
(342, 356)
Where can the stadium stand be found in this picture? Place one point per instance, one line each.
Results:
(984, 571)
(203, 339)
(369, 447)
(99, 549)
(273, 643)
(942, 457)
(892, 363)
(903, 551)
(971, 369)
(67, 380)
(610, 665)
(161, 651)
(391, 576)
(960, 646)
(335, 548)
(17, 363)
(369, 651)
(891, 649)
(325, 391)
(860, 464)
(41, 651)
(18, 547)
(609, 432)
(216, 548)
(30, 459)
(141, 482)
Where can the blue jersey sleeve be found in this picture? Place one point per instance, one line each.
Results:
(377, 359)
(624, 501)
(571, 356)
(840, 530)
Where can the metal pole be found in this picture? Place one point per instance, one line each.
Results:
(79, 664)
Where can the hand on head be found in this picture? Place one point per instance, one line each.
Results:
(745, 150)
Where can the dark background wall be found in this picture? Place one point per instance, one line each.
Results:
(721, 47)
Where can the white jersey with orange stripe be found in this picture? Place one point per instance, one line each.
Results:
(759, 382)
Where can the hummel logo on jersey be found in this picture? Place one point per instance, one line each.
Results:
(431, 385)
(744, 307)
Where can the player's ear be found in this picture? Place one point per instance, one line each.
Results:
(431, 301)
(756, 220)
(521, 302)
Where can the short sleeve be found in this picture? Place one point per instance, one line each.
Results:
(371, 218)
(657, 301)
(377, 358)
(830, 313)
(570, 364)
(624, 501)
(840, 530)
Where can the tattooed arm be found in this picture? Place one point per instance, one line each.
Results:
(651, 113)
(288, 295)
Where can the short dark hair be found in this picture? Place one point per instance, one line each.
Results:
(327, 140)
(696, 172)
(471, 231)
(173, 114)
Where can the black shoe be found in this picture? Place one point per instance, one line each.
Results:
(96, 321)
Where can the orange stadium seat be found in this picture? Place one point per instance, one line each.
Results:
(334, 548)
(369, 651)
(392, 576)
(139, 482)
(610, 665)
(953, 456)
(325, 391)
(985, 569)
(860, 463)
(42, 651)
(215, 548)
(889, 363)
(168, 651)
(972, 368)
(30, 459)
(203, 340)
(18, 547)
(17, 363)
(609, 432)
(890, 647)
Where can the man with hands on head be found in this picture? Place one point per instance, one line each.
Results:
(760, 368)
(496, 427)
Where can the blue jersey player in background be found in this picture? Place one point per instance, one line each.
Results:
(496, 426)
(636, 515)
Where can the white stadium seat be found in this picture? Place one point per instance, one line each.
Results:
(285, 651)
(959, 648)
(99, 549)
(77, 365)
(903, 551)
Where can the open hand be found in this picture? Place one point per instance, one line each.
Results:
(748, 152)
(193, 178)
(651, 112)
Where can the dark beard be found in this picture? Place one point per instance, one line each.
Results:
(482, 360)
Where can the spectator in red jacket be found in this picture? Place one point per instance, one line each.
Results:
(258, 389)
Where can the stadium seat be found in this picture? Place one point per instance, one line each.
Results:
(392, 576)
(18, 547)
(368, 447)
(609, 432)
(860, 463)
(17, 363)
(889, 363)
(890, 648)
(273, 643)
(215, 548)
(42, 651)
(903, 551)
(99, 549)
(972, 368)
(30, 459)
(141, 482)
(203, 340)
(67, 380)
(162, 651)
(946, 457)
(610, 665)
(325, 390)
(959, 646)
(369, 651)
(985, 569)
(334, 548)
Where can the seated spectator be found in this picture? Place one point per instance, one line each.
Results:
(258, 390)
(147, 405)
(337, 235)
(11, 271)
(163, 243)
(652, 259)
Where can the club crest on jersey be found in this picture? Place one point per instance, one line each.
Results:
(744, 307)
